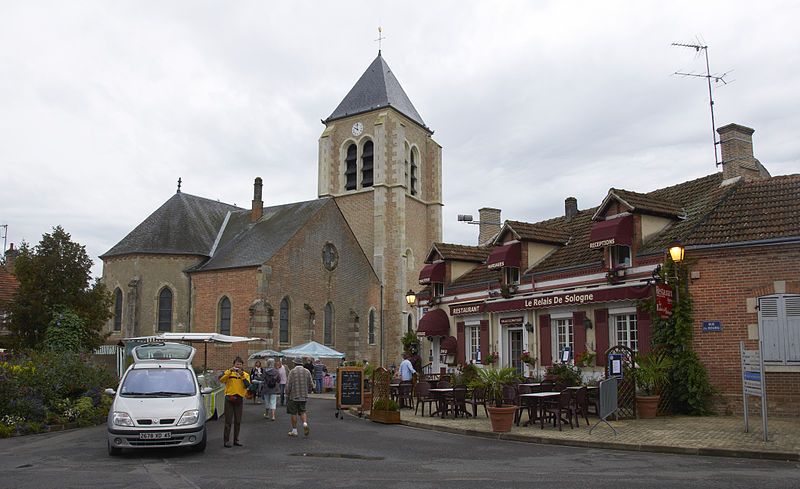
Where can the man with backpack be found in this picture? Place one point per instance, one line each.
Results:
(270, 389)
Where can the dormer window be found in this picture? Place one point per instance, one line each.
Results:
(510, 275)
(620, 256)
(437, 289)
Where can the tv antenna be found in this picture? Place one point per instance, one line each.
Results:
(708, 76)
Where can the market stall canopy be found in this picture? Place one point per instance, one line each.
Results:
(263, 354)
(312, 349)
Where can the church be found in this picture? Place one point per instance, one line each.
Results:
(334, 269)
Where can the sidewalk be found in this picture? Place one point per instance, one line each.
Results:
(709, 435)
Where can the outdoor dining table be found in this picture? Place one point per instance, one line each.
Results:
(538, 397)
(440, 393)
(531, 384)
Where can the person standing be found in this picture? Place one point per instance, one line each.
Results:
(319, 373)
(270, 388)
(406, 368)
(257, 378)
(234, 379)
(299, 385)
(282, 372)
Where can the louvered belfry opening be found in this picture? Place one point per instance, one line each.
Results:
(366, 165)
(350, 168)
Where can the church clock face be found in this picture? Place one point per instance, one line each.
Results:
(358, 128)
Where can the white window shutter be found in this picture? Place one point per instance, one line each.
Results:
(792, 303)
(769, 322)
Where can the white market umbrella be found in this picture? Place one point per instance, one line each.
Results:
(312, 349)
(264, 354)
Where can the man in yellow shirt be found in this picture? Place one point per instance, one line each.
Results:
(236, 381)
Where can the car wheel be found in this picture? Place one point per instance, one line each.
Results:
(201, 447)
(113, 451)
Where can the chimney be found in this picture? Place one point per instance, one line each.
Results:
(737, 154)
(570, 207)
(489, 224)
(11, 254)
(258, 204)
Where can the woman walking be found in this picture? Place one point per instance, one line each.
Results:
(270, 388)
(282, 372)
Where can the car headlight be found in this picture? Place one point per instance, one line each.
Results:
(189, 417)
(120, 418)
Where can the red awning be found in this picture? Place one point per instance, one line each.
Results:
(449, 344)
(612, 232)
(434, 323)
(433, 272)
(504, 256)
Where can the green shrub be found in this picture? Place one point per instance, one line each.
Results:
(385, 405)
(566, 373)
(6, 431)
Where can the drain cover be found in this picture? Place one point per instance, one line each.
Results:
(335, 455)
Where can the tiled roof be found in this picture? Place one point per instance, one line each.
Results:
(8, 285)
(377, 88)
(646, 203)
(449, 251)
(246, 244)
(757, 210)
(183, 225)
(538, 232)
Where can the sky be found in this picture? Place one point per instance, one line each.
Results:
(104, 105)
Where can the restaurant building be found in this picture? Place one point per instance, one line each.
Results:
(577, 282)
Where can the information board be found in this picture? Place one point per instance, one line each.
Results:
(753, 383)
(349, 387)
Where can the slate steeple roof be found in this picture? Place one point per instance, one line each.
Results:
(377, 88)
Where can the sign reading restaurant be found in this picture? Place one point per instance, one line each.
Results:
(556, 300)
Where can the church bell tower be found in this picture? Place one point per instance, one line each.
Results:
(378, 160)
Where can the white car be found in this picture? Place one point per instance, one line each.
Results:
(159, 402)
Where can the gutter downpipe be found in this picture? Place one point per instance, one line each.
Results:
(383, 333)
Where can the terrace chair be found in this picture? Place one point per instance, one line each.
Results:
(423, 394)
(444, 384)
(523, 404)
(580, 405)
(404, 394)
(561, 408)
(457, 403)
(479, 399)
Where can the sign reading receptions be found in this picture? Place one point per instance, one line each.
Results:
(349, 387)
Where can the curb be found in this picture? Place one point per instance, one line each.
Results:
(708, 452)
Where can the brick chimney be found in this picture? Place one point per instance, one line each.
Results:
(11, 255)
(258, 204)
(489, 219)
(737, 153)
(570, 207)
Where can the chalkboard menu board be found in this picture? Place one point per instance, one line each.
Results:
(349, 386)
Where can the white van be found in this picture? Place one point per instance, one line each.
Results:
(159, 403)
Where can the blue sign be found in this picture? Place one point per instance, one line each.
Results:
(754, 376)
(615, 365)
(712, 326)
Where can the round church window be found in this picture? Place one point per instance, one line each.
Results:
(330, 257)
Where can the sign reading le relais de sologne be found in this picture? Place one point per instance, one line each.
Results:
(555, 300)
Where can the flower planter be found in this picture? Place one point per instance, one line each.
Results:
(647, 406)
(385, 417)
(502, 418)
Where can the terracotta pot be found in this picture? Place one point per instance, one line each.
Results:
(646, 406)
(385, 417)
(502, 418)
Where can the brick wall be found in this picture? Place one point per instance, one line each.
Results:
(727, 279)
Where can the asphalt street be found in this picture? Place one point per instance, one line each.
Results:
(353, 452)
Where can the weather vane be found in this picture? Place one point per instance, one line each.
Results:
(179, 184)
(379, 39)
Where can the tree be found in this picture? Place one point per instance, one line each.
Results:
(55, 276)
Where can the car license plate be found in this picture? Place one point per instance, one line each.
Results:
(155, 436)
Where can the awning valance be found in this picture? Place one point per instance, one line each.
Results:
(434, 323)
(450, 345)
(432, 273)
(617, 231)
(507, 255)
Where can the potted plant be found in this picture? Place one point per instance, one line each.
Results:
(491, 358)
(385, 411)
(493, 380)
(586, 359)
(528, 359)
(651, 375)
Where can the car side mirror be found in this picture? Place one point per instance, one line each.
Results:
(110, 392)
(206, 390)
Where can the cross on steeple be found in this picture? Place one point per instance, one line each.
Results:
(179, 185)
(379, 39)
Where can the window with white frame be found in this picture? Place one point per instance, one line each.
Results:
(620, 256)
(472, 342)
(564, 334)
(511, 275)
(779, 325)
(625, 331)
(437, 289)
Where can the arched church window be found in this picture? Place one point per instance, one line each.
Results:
(414, 171)
(117, 310)
(327, 331)
(165, 310)
(284, 321)
(366, 164)
(225, 316)
(371, 329)
(350, 171)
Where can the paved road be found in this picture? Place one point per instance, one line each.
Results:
(358, 453)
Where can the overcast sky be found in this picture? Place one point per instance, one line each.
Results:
(103, 105)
